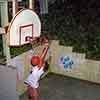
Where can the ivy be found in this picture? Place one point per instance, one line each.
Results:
(75, 24)
(19, 50)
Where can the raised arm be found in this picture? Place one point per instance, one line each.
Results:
(44, 53)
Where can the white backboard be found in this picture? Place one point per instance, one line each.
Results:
(25, 23)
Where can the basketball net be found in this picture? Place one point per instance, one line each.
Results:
(37, 41)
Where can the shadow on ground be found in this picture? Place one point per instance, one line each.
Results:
(57, 87)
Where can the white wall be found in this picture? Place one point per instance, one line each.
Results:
(81, 68)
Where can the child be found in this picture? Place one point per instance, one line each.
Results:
(38, 69)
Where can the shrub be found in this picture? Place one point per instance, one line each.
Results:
(74, 25)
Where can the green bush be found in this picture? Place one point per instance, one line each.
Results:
(74, 25)
(19, 50)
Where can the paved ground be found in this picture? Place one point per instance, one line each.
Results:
(56, 87)
(7, 83)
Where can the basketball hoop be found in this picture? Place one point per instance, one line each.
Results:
(37, 41)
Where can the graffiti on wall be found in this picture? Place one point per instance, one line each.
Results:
(66, 62)
(69, 61)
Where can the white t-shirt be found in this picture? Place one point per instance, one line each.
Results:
(33, 78)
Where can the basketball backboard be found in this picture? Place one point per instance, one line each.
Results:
(25, 23)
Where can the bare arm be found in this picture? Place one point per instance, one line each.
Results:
(44, 53)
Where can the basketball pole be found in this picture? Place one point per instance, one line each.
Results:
(31, 4)
(15, 6)
(4, 22)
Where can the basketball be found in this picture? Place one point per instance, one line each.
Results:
(35, 60)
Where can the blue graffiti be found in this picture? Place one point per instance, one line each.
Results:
(67, 62)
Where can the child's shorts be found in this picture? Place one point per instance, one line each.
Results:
(32, 91)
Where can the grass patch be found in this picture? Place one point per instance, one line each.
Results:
(24, 96)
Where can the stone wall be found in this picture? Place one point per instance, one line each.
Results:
(81, 67)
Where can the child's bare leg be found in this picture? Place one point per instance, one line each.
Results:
(30, 98)
(29, 93)
(36, 98)
(33, 93)
(33, 98)
(36, 94)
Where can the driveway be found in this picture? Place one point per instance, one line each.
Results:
(8, 83)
